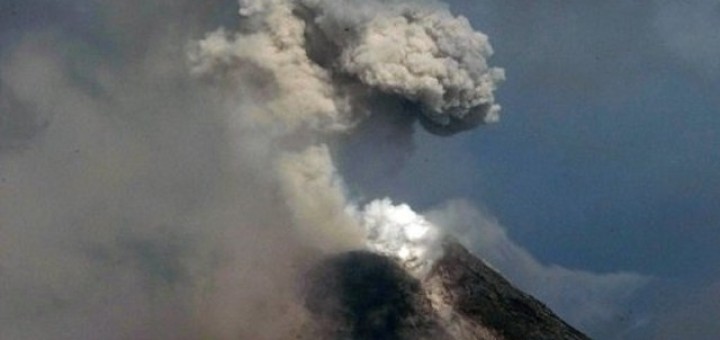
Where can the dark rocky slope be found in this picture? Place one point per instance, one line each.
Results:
(476, 293)
(361, 295)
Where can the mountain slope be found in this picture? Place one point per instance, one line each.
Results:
(476, 294)
(362, 295)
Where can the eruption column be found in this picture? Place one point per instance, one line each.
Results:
(326, 70)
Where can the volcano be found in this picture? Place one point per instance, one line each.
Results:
(364, 295)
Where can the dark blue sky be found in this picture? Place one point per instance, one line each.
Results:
(607, 155)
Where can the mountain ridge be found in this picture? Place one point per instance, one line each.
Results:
(363, 295)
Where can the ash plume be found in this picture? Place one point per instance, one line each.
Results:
(317, 52)
(321, 72)
(169, 183)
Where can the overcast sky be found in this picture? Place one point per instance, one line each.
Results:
(605, 160)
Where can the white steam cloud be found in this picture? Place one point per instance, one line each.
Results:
(398, 231)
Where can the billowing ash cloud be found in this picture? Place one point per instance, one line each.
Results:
(428, 57)
(303, 71)
(323, 59)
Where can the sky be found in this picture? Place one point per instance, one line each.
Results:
(600, 177)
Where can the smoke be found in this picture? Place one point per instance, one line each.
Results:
(134, 205)
(306, 71)
(326, 63)
(316, 198)
(397, 231)
(427, 57)
(161, 182)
